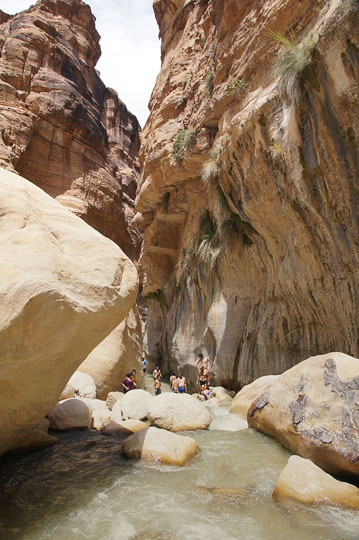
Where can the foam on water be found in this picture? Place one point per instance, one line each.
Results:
(84, 489)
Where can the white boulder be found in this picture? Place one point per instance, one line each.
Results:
(178, 412)
(80, 384)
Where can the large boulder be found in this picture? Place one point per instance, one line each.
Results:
(63, 288)
(305, 482)
(178, 412)
(312, 409)
(80, 384)
(116, 355)
(70, 413)
(245, 397)
(134, 405)
(154, 444)
(222, 395)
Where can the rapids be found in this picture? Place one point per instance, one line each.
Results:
(83, 489)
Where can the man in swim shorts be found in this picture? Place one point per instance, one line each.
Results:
(182, 385)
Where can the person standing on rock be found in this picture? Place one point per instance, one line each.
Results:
(203, 379)
(157, 385)
(182, 385)
(206, 362)
(144, 365)
(127, 383)
(156, 372)
(134, 377)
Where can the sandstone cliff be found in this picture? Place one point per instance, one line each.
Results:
(249, 188)
(61, 128)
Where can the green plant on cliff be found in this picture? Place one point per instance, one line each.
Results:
(209, 82)
(208, 246)
(158, 296)
(236, 87)
(212, 167)
(184, 139)
(350, 6)
(292, 59)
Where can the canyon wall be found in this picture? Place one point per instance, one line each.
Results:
(60, 127)
(249, 187)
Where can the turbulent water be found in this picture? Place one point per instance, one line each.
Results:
(82, 488)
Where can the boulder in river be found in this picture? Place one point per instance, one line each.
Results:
(223, 396)
(305, 482)
(178, 412)
(312, 409)
(124, 426)
(245, 397)
(134, 405)
(70, 414)
(99, 411)
(153, 444)
(80, 384)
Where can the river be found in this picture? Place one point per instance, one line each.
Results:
(83, 489)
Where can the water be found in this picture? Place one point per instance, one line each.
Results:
(83, 489)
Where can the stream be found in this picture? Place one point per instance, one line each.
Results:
(83, 489)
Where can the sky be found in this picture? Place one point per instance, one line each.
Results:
(130, 59)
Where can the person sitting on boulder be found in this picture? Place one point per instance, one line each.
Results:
(156, 372)
(127, 383)
(182, 385)
(157, 385)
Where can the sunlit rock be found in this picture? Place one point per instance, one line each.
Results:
(178, 412)
(305, 482)
(153, 444)
(312, 409)
(70, 414)
(245, 397)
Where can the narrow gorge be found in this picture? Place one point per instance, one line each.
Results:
(179, 304)
(249, 186)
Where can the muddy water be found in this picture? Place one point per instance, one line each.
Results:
(84, 489)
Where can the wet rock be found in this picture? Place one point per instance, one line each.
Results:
(305, 482)
(223, 396)
(313, 410)
(153, 444)
(70, 414)
(178, 412)
(245, 397)
(229, 493)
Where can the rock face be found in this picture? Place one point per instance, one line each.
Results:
(178, 412)
(312, 409)
(116, 355)
(61, 128)
(249, 393)
(305, 482)
(249, 197)
(63, 288)
(154, 444)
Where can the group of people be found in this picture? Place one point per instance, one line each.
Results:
(178, 383)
